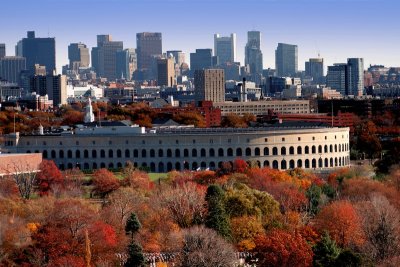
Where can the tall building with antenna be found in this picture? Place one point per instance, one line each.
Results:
(253, 54)
(315, 70)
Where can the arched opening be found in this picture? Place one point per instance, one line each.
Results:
(111, 165)
(135, 153)
(61, 154)
(85, 153)
(299, 150)
(152, 167)
(291, 150)
(119, 153)
(313, 150)
(119, 165)
(102, 165)
(335, 148)
(319, 149)
(336, 162)
(320, 163)
(152, 153)
(69, 154)
(195, 166)
(266, 151)
(257, 151)
(203, 153)
(94, 166)
(299, 163)
(169, 153)
(266, 163)
(211, 152)
(307, 150)
(177, 166)
(169, 167)
(186, 165)
(61, 166)
(44, 154)
(291, 164)
(203, 165)
(160, 153)
(177, 153)
(77, 154)
(248, 152)
(326, 163)
(283, 165)
(275, 164)
(144, 153)
(230, 152)
(220, 152)
(160, 167)
(283, 150)
(307, 163)
(185, 153)
(331, 148)
(127, 153)
(212, 165)
(331, 162)
(194, 152)
(238, 152)
(53, 154)
(325, 149)
(275, 151)
(314, 163)
(69, 166)
(110, 153)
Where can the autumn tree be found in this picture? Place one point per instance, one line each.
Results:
(244, 231)
(281, 248)
(342, 222)
(185, 204)
(381, 227)
(190, 118)
(203, 247)
(49, 177)
(233, 120)
(217, 218)
(104, 182)
(368, 140)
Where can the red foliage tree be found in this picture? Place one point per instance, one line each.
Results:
(104, 182)
(282, 248)
(239, 165)
(48, 177)
(340, 219)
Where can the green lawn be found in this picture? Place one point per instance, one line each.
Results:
(155, 176)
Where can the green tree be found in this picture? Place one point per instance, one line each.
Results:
(135, 256)
(325, 252)
(348, 258)
(217, 217)
(132, 225)
(313, 194)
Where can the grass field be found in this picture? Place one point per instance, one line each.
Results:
(155, 176)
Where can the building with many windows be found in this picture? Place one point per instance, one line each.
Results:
(225, 48)
(281, 146)
(286, 60)
(209, 85)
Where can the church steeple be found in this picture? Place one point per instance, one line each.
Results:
(89, 116)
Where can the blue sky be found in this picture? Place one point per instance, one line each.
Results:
(337, 29)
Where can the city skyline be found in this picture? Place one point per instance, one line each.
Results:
(336, 30)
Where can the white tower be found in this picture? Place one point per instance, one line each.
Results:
(89, 116)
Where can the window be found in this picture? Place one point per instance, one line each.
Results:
(266, 139)
(283, 139)
(298, 138)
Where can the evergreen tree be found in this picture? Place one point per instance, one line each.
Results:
(135, 256)
(325, 252)
(313, 194)
(348, 258)
(217, 217)
(132, 225)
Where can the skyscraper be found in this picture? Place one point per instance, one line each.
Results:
(202, 59)
(11, 67)
(210, 85)
(337, 78)
(2, 50)
(355, 68)
(178, 55)
(286, 61)
(78, 55)
(40, 51)
(225, 48)
(55, 86)
(315, 69)
(166, 72)
(148, 44)
(126, 63)
(104, 56)
(253, 54)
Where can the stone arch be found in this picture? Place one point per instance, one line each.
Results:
(320, 163)
(331, 149)
(69, 166)
(266, 151)
(110, 153)
(160, 153)
(203, 165)
(299, 150)
(230, 152)
(203, 153)
(212, 165)
(266, 163)
(314, 163)
(102, 165)
(306, 150)
(220, 152)
(85, 153)
(320, 149)
(331, 162)
(44, 154)
(111, 165)
(94, 166)
(127, 153)
(211, 152)
(195, 166)
(135, 153)
(169, 166)
(77, 154)
(274, 151)
(313, 150)
(194, 152)
(69, 154)
(119, 165)
(239, 152)
(152, 154)
(119, 153)
(53, 154)
(283, 150)
(283, 164)
(161, 167)
(257, 151)
(186, 153)
(291, 164)
(60, 154)
(144, 153)
(152, 167)
(299, 163)
(307, 164)
(178, 166)
(169, 153)
(177, 154)
(291, 150)
(86, 166)
(325, 149)
(248, 151)
(275, 164)
(326, 163)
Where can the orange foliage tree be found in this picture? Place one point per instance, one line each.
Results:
(48, 177)
(104, 182)
(340, 219)
(282, 248)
